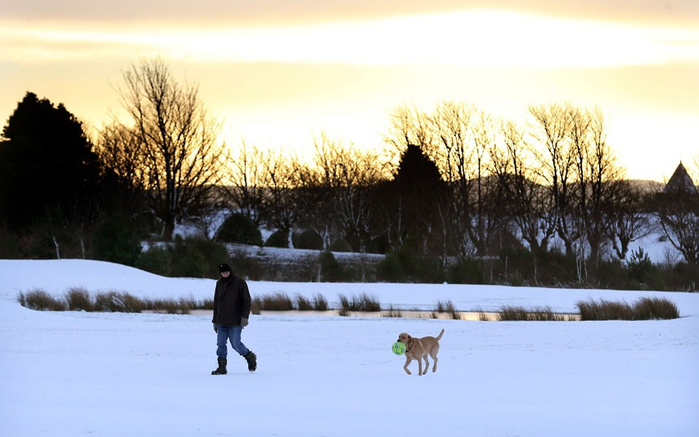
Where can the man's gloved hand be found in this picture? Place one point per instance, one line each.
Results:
(215, 328)
(243, 322)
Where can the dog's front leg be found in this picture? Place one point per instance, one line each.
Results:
(408, 360)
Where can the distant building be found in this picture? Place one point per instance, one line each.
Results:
(680, 182)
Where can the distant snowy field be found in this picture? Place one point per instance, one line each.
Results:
(73, 374)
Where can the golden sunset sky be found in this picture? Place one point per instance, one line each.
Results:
(281, 73)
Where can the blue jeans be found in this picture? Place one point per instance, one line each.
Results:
(232, 333)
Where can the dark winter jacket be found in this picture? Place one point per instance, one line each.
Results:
(231, 301)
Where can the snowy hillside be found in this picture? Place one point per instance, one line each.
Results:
(70, 374)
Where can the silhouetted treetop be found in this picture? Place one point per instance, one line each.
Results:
(46, 163)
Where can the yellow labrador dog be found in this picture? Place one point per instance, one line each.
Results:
(419, 348)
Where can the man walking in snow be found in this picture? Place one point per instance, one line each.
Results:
(231, 313)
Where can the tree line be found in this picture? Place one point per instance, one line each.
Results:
(455, 184)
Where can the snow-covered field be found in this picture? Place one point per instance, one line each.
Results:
(73, 374)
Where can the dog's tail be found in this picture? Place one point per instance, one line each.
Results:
(439, 337)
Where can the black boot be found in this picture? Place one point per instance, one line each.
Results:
(251, 358)
(221, 367)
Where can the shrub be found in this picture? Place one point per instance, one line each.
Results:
(514, 314)
(604, 310)
(279, 238)
(241, 230)
(115, 240)
(308, 239)
(212, 253)
(41, 300)
(612, 274)
(308, 267)
(655, 309)
(538, 314)
(644, 309)
(129, 303)
(316, 303)
(447, 307)
(557, 269)
(683, 277)
(245, 266)
(303, 303)
(405, 265)
(341, 245)
(113, 302)
(9, 243)
(390, 269)
(320, 303)
(206, 304)
(330, 269)
(363, 302)
(276, 302)
(156, 260)
(79, 299)
(467, 271)
(187, 259)
(172, 306)
(643, 272)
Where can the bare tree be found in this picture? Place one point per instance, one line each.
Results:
(317, 184)
(677, 211)
(244, 183)
(678, 218)
(118, 150)
(451, 125)
(628, 219)
(279, 205)
(528, 203)
(411, 126)
(555, 165)
(412, 135)
(356, 175)
(175, 139)
(486, 216)
(597, 175)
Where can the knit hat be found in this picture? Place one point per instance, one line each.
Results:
(223, 267)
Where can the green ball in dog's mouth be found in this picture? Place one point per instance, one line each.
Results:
(398, 348)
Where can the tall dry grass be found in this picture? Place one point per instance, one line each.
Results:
(646, 308)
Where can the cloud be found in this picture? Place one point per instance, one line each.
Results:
(473, 38)
(275, 12)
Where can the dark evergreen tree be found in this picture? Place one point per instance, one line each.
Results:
(47, 166)
(419, 198)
